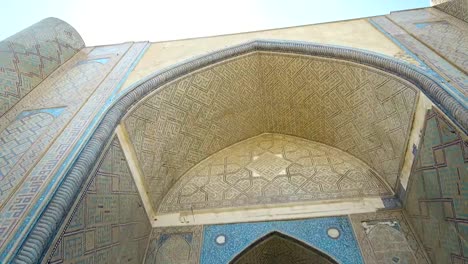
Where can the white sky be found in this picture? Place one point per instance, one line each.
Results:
(105, 21)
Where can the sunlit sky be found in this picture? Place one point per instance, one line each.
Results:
(105, 22)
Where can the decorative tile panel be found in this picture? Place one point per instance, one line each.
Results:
(386, 237)
(16, 140)
(109, 223)
(272, 168)
(29, 56)
(443, 33)
(82, 89)
(363, 111)
(437, 195)
(177, 245)
(313, 232)
(453, 80)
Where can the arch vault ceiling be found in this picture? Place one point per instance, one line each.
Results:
(361, 110)
(272, 169)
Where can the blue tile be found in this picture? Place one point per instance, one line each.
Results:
(344, 249)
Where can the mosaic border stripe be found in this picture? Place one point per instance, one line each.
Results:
(428, 58)
(66, 190)
(123, 67)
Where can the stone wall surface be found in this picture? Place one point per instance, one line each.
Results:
(352, 33)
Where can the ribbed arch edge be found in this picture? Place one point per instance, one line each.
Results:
(42, 233)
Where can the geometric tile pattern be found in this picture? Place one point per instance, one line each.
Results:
(437, 195)
(174, 245)
(186, 121)
(81, 86)
(386, 237)
(312, 232)
(109, 223)
(279, 249)
(456, 8)
(29, 56)
(439, 67)
(363, 111)
(71, 87)
(16, 139)
(269, 169)
(443, 33)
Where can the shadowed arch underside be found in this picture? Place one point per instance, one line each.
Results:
(272, 169)
(358, 109)
(276, 248)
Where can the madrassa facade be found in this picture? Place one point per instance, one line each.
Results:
(343, 142)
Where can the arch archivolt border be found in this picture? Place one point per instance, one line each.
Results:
(44, 228)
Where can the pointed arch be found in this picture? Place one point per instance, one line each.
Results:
(30, 248)
(268, 169)
(276, 245)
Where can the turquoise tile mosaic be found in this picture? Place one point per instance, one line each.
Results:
(221, 243)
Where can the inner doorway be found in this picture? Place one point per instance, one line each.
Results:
(276, 248)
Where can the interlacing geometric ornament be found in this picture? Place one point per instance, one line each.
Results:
(109, 223)
(272, 168)
(386, 238)
(39, 228)
(437, 66)
(360, 110)
(68, 88)
(29, 56)
(81, 88)
(16, 140)
(178, 245)
(437, 194)
(440, 31)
